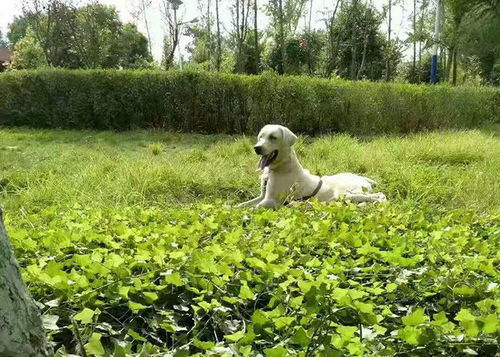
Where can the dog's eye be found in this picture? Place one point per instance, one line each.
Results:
(272, 137)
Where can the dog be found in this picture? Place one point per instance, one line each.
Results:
(282, 173)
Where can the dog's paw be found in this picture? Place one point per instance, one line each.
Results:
(380, 197)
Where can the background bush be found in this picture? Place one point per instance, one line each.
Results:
(223, 103)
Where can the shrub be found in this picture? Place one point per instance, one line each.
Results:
(225, 103)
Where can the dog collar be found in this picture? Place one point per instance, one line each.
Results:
(305, 198)
(315, 192)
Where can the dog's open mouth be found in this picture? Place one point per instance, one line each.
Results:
(266, 160)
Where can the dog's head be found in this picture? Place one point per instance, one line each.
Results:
(273, 143)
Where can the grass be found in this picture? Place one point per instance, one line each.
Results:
(131, 235)
(440, 170)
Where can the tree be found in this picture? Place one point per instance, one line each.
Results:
(480, 42)
(21, 328)
(174, 29)
(17, 29)
(28, 53)
(241, 11)
(219, 39)
(284, 16)
(91, 36)
(359, 47)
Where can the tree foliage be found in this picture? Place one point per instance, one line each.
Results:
(91, 36)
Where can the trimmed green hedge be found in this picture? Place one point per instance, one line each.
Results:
(223, 103)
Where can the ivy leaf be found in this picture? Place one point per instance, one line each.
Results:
(300, 337)
(417, 317)
(94, 346)
(174, 279)
(135, 306)
(468, 322)
(490, 323)
(235, 337)
(135, 335)
(86, 315)
(278, 351)
(246, 292)
(203, 345)
(259, 317)
(410, 334)
(281, 322)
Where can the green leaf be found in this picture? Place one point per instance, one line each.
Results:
(235, 337)
(135, 306)
(94, 346)
(417, 317)
(203, 345)
(490, 323)
(174, 279)
(123, 291)
(260, 317)
(281, 322)
(245, 292)
(464, 290)
(300, 337)
(410, 334)
(150, 297)
(391, 287)
(135, 335)
(86, 315)
(278, 351)
(468, 322)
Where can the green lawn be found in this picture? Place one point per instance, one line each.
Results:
(141, 168)
(131, 239)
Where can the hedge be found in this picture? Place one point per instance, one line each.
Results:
(225, 103)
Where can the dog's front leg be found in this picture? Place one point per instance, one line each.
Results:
(257, 200)
(276, 189)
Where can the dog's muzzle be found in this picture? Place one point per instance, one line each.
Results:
(266, 160)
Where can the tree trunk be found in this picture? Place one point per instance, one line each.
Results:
(256, 39)
(455, 56)
(21, 329)
(310, 14)
(219, 54)
(209, 30)
(147, 26)
(388, 61)
(281, 68)
(414, 37)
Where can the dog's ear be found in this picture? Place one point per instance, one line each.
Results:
(288, 137)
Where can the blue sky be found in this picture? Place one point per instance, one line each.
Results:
(190, 10)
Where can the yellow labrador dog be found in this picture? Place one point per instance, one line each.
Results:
(282, 172)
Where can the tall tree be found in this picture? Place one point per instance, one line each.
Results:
(218, 58)
(144, 8)
(21, 328)
(174, 28)
(389, 32)
(256, 34)
(360, 52)
(241, 12)
(414, 36)
(284, 16)
(91, 36)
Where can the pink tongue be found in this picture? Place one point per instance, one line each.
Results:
(262, 163)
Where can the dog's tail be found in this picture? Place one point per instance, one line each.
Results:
(374, 183)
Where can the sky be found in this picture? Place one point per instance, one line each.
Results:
(190, 10)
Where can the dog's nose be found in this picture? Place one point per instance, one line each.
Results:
(258, 149)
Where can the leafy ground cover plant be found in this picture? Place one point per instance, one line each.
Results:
(328, 280)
